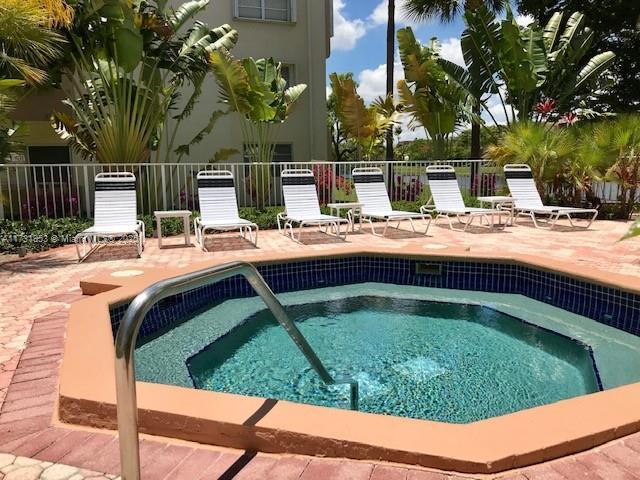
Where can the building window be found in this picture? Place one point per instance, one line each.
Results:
(50, 156)
(289, 74)
(272, 10)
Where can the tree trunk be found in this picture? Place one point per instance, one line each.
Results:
(391, 50)
(475, 154)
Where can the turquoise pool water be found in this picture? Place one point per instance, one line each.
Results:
(414, 358)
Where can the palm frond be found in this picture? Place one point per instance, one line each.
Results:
(232, 79)
(206, 130)
(223, 155)
(27, 44)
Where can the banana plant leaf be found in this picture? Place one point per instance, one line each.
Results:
(480, 43)
(551, 30)
(232, 79)
(533, 42)
(518, 71)
(594, 68)
(186, 12)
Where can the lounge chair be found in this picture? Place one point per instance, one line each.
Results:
(372, 194)
(115, 214)
(527, 201)
(219, 207)
(448, 201)
(303, 207)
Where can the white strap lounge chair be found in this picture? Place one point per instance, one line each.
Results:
(303, 207)
(115, 214)
(528, 203)
(219, 207)
(448, 201)
(372, 194)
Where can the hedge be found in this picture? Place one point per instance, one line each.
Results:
(44, 233)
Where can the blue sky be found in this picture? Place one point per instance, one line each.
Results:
(359, 43)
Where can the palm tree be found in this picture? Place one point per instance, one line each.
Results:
(366, 125)
(391, 47)
(448, 11)
(27, 45)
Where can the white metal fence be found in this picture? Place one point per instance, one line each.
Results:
(30, 191)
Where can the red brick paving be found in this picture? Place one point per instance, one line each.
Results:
(36, 293)
(384, 472)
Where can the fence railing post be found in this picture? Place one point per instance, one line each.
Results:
(24, 188)
(2, 170)
(87, 194)
(163, 179)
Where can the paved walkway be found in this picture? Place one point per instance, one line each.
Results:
(36, 292)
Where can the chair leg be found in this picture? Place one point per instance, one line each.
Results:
(75, 240)
(386, 226)
(448, 217)
(373, 230)
(533, 217)
(143, 234)
(288, 228)
(300, 231)
(427, 223)
(203, 238)
(514, 220)
(467, 224)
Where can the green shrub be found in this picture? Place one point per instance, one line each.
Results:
(43, 233)
(40, 234)
(406, 206)
(470, 200)
(170, 226)
(265, 218)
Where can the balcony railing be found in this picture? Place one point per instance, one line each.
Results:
(30, 191)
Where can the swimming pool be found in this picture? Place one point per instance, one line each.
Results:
(597, 312)
(455, 356)
(448, 362)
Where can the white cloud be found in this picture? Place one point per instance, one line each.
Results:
(524, 20)
(380, 16)
(494, 105)
(450, 50)
(346, 33)
(373, 82)
(408, 134)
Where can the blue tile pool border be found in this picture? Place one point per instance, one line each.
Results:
(608, 305)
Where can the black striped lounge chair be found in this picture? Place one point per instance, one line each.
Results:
(302, 207)
(219, 208)
(448, 202)
(372, 194)
(527, 201)
(115, 214)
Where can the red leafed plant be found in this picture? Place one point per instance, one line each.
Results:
(546, 107)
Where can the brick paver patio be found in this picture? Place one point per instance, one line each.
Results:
(36, 292)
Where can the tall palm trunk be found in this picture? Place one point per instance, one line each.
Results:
(475, 154)
(391, 47)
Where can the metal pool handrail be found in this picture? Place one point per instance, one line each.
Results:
(128, 333)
